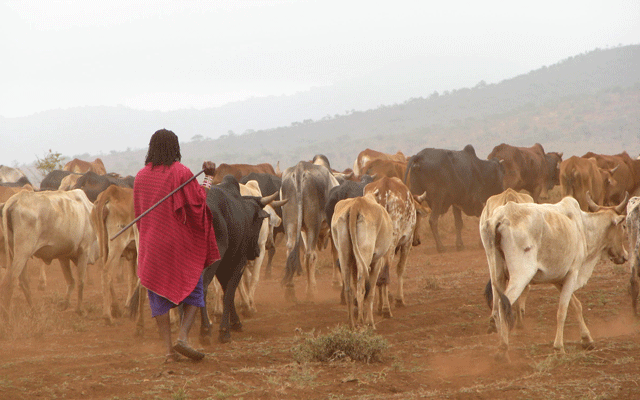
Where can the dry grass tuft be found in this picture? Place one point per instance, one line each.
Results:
(341, 343)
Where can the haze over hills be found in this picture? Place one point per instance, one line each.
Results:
(587, 102)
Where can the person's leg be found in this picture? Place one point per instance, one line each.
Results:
(188, 317)
(164, 327)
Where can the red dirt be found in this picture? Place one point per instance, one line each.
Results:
(439, 347)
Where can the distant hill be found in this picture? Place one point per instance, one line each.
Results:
(587, 102)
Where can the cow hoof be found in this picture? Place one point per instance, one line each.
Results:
(400, 303)
(290, 294)
(460, 247)
(502, 357)
(387, 314)
(63, 305)
(237, 327)
(115, 311)
(224, 337)
(81, 312)
(588, 345)
(248, 313)
(205, 339)
(441, 249)
(42, 286)
(108, 320)
(139, 332)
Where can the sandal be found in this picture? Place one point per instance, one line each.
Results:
(183, 348)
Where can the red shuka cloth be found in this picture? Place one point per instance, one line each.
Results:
(177, 240)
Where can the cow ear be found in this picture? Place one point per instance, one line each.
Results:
(619, 219)
(263, 214)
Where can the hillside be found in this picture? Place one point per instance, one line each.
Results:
(586, 102)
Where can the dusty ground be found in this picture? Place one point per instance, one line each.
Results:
(438, 346)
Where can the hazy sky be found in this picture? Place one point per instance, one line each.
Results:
(191, 54)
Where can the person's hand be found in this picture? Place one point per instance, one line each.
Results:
(209, 168)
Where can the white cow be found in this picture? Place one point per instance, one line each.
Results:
(490, 206)
(47, 225)
(363, 234)
(549, 243)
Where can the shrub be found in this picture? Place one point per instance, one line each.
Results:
(340, 343)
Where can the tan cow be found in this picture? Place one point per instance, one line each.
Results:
(113, 210)
(47, 225)
(378, 168)
(80, 166)
(69, 181)
(402, 207)
(241, 170)
(494, 202)
(367, 155)
(549, 243)
(581, 175)
(363, 234)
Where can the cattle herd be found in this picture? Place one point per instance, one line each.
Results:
(369, 216)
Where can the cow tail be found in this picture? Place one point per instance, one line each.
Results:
(134, 302)
(293, 260)
(410, 163)
(361, 266)
(507, 311)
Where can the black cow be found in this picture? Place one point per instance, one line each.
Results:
(93, 184)
(453, 178)
(237, 221)
(53, 179)
(269, 184)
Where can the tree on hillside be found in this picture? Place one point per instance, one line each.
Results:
(49, 162)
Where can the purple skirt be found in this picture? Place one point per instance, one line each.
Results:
(161, 305)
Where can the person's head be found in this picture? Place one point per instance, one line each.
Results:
(164, 148)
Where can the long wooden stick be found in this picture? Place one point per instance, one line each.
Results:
(155, 205)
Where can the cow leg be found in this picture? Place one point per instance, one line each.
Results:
(81, 265)
(336, 279)
(140, 317)
(230, 320)
(348, 292)
(519, 306)
(371, 291)
(24, 285)
(205, 324)
(457, 217)
(271, 252)
(566, 292)
(634, 282)
(585, 335)
(402, 263)
(515, 287)
(246, 303)
(65, 265)
(42, 280)
(433, 223)
(289, 291)
(108, 291)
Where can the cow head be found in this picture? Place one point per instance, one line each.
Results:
(616, 232)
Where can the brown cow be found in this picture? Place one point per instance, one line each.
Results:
(378, 168)
(241, 170)
(581, 175)
(528, 168)
(80, 166)
(367, 155)
(627, 175)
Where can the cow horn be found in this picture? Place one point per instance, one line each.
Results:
(279, 203)
(620, 208)
(268, 199)
(614, 170)
(421, 198)
(593, 207)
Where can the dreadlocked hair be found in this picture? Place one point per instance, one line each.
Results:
(164, 148)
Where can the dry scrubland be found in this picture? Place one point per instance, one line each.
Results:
(436, 347)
